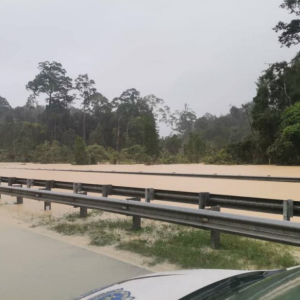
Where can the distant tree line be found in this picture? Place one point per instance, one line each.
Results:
(125, 129)
(121, 130)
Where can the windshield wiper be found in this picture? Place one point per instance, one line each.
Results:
(226, 287)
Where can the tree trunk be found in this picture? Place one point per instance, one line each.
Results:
(54, 128)
(84, 118)
(118, 136)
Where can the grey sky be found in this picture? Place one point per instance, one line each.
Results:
(206, 53)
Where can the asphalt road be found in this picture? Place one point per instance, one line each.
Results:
(33, 266)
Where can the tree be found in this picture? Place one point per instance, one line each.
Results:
(173, 144)
(96, 136)
(80, 152)
(194, 148)
(97, 154)
(286, 148)
(104, 118)
(5, 107)
(183, 120)
(87, 90)
(4, 103)
(290, 32)
(53, 82)
(150, 142)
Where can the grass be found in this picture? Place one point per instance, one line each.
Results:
(72, 217)
(191, 249)
(183, 246)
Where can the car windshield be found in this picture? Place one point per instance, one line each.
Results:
(280, 285)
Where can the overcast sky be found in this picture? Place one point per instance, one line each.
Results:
(206, 53)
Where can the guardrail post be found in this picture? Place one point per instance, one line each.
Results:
(11, 181)
(149, 195)
(19, 199)
(49, 186)
(215, 235)
(136, 220)
(106, 190)
(29, 183)
(288, 210)
(76, 187)
(77, 190)
(203, 200)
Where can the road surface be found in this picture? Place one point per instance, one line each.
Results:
(33, 266)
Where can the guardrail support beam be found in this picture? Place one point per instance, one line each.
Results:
(288, 210)
(136, 220)
(11, 182)
(30, 183)
(106, 190)
(49, 186)
(19, 199)
(77, 190)
(215, 236)
(203, 200)
(149, 195)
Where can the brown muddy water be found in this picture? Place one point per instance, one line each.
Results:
(275, 190)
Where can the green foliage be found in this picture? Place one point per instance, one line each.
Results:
(286, 148)
(195, 148)
(150, 138)
(135, 153)
(223, 157)
(290, 32)
(80, 153)
(53, 82)
(49, 153)
(190, 249)
(97, 154)
(172, 144)
(96, 136)
(283, 152)
(224, 130)
(183, 120)
(167, 158)
(183, 246)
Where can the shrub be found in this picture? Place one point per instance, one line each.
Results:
(135, 153)
(47, 153)
(97, 154)
(80, 154)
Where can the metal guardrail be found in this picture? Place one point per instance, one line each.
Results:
(174, 174)
(263, 205)
(258, 228)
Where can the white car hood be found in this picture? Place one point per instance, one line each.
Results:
(161, 286)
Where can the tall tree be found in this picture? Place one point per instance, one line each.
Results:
(289, 32)
(53, 82)
(4, 107)
(87, 90)
(183, 120)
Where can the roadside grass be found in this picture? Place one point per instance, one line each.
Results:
(183, 246)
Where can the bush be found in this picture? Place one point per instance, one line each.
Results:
(97, 154)
(4, 156)
(80, 154)
(195, 148)
(48, 153)
(135, 153)
(166, 158)
(283, 152)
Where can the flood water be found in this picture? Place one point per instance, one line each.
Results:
(274, 190)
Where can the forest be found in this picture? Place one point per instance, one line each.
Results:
(67, 120)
